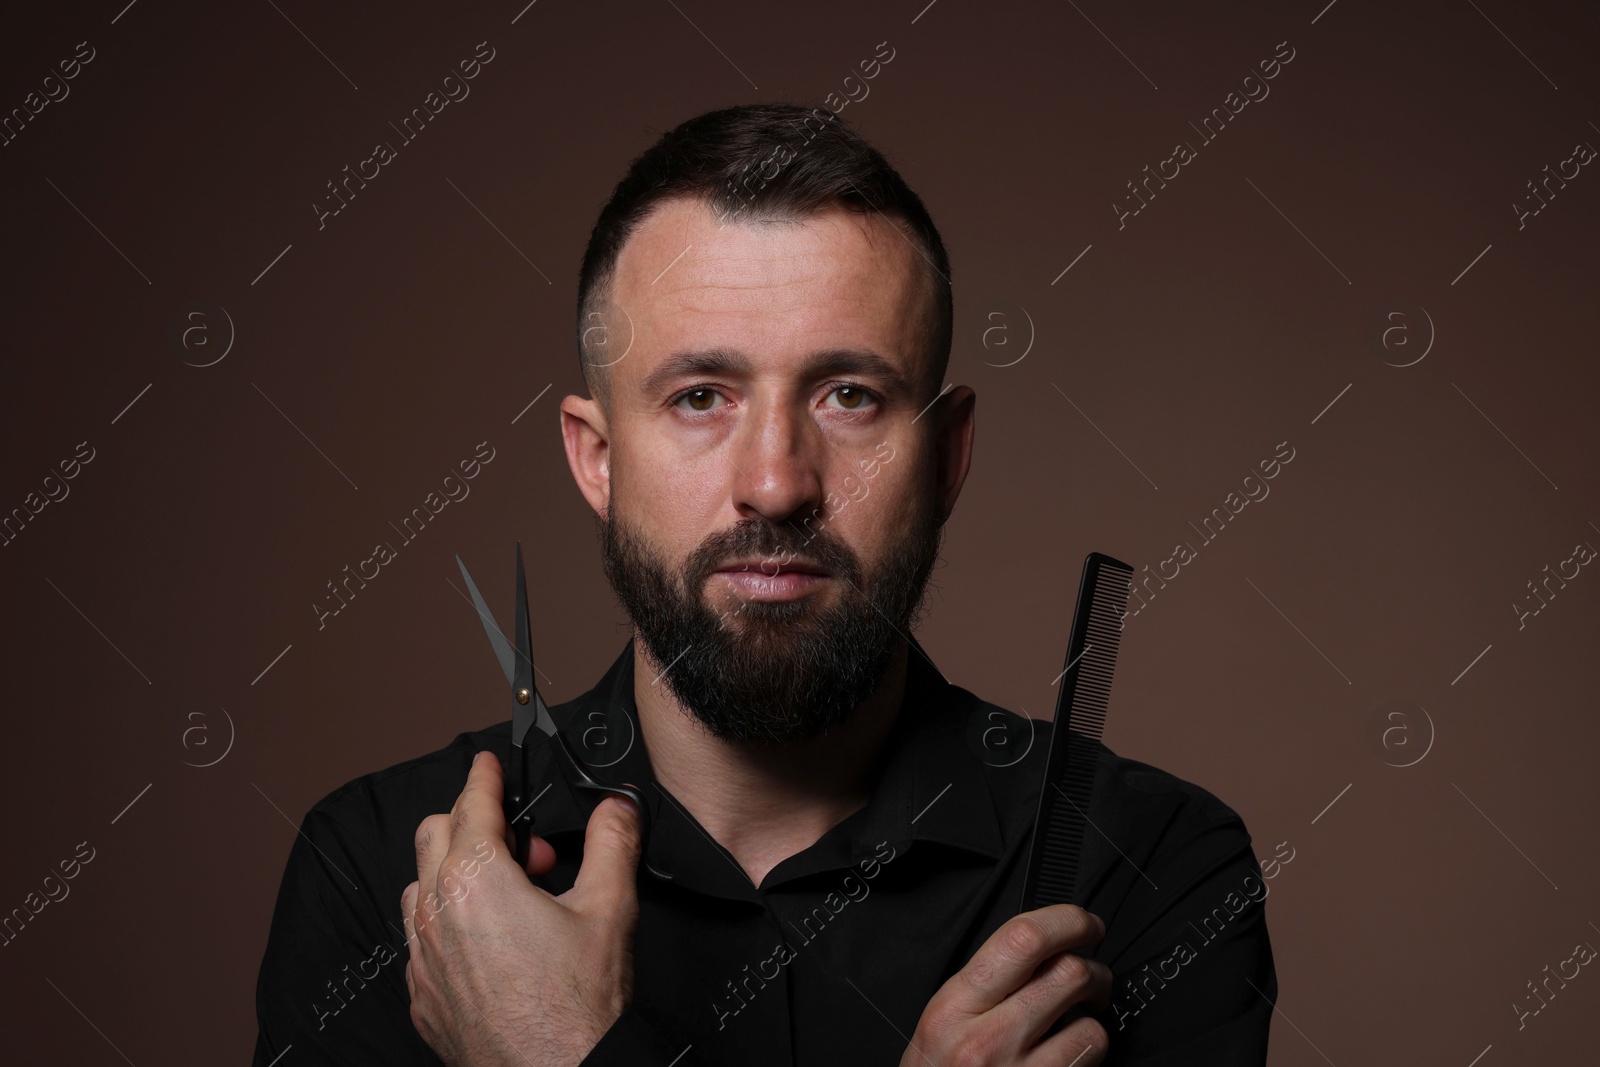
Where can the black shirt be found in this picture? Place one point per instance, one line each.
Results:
(834, 957)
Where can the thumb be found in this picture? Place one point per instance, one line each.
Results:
(611, 847)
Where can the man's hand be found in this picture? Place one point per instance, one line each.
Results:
(992, 1012)
(500, 971)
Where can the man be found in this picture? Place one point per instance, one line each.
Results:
(837, 833)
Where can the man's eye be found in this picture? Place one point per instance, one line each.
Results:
(852, 397)
(697, 399)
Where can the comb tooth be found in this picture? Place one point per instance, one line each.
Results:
(1052, 867)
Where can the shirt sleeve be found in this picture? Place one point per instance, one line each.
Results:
(633, 1040)
(1197, 984)
(332, 980)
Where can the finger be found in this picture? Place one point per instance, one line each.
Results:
(412, 919)
(433, 844)
(408, 905)
(482, 755)
(541, 857)
(611, 845)
(541, 854)
(1081, 1043)
(479, 814)
(1014, 952)
(1062, 981)
(1086, 980)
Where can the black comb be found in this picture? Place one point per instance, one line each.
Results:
(1051, 874)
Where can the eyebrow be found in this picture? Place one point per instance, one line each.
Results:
(729, 361)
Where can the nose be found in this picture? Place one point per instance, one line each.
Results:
(777, 454)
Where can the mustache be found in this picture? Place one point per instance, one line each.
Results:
(778, 545)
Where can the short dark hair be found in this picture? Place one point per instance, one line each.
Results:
(761, 162)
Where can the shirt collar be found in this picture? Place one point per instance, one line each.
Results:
(932, 787)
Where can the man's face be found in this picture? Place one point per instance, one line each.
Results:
(771, 494)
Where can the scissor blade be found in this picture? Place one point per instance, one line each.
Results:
(524, 657)
(542, 717)
(502, 647)
(522, 667)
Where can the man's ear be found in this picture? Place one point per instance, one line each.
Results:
(588, 443)
(953, 444)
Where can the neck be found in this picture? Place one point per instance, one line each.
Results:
(764, 801)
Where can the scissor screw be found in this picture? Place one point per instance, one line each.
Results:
(523, 696)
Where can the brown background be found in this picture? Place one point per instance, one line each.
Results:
(1219, 322)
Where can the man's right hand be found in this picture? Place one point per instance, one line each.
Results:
(992, 1012)
(503, 972)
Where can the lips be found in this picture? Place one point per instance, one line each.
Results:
(764, 565)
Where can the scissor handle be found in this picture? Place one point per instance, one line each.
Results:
(587, 782)
(627, 791)
(632, 793)
(520, 817)
(518, 805)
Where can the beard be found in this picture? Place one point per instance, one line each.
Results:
(773, 671)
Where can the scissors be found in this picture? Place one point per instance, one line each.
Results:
(528, 710)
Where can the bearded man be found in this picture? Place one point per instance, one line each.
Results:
(834, 867)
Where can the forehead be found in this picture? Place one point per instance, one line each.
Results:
(775, 290)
